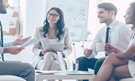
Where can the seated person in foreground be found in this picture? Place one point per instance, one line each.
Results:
(14, 68)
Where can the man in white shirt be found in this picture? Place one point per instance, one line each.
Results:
(24, 70)
(119, 35)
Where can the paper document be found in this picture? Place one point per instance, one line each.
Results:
(31, 41)
(39, 71)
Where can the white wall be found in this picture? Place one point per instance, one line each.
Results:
(32, 12)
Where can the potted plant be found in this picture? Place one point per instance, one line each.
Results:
(88, 33)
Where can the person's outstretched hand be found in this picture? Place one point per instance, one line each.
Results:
(13, 50)
(20, 41)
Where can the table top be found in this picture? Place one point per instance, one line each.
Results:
(61, 75)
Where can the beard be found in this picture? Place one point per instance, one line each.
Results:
(104, 21)
(3, 9)
(107, 19)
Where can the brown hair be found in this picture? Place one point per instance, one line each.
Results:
(132, 6)
(108, 7)
(60, 24)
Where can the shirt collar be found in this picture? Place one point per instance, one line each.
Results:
(112, 24)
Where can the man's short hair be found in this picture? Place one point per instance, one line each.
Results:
(108, 7)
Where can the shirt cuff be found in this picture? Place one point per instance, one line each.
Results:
(1, 50)
(8, 44)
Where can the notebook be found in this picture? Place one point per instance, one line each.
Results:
(55, 46)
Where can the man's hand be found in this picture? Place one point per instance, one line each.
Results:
(20, 41)
(87, 52)
(13, 50)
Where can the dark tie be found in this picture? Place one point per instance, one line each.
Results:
(1, 40)
(107, 36)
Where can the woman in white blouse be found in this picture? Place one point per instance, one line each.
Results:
(54, 31)
(120, 64)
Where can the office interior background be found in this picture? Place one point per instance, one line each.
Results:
(32, 15)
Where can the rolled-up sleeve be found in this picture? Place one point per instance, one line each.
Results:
(96, 39)
(5, 45)
(8, 44)
(1, 50)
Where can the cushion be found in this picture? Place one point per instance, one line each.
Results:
(128, 79)
(10, 78)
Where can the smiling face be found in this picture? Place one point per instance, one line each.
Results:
(129, 16)
(53, 17)
(103, 15)
(3, 6)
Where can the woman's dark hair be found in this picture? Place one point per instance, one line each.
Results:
(59, 26)
(132, 6)
(108, 7)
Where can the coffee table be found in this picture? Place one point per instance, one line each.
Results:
(61, 75)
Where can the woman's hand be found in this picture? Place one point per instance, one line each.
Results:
(109, 49)
(44, 51)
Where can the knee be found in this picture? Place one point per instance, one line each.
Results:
(110, 58)
(55, 64)
(80, 59)
(29, 68)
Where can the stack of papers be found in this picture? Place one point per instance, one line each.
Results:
(47, 72)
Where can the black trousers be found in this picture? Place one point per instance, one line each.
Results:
(85, 63)
(98, 65)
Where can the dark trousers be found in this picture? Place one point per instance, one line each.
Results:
(19, 69)
(85, 63)
(98, 65)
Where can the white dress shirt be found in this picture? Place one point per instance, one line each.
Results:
(4, 44)
(119, 37)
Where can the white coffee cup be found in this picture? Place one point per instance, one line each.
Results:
(100, 46)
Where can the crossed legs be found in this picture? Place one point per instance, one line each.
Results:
(49, 62)
(113, 68)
